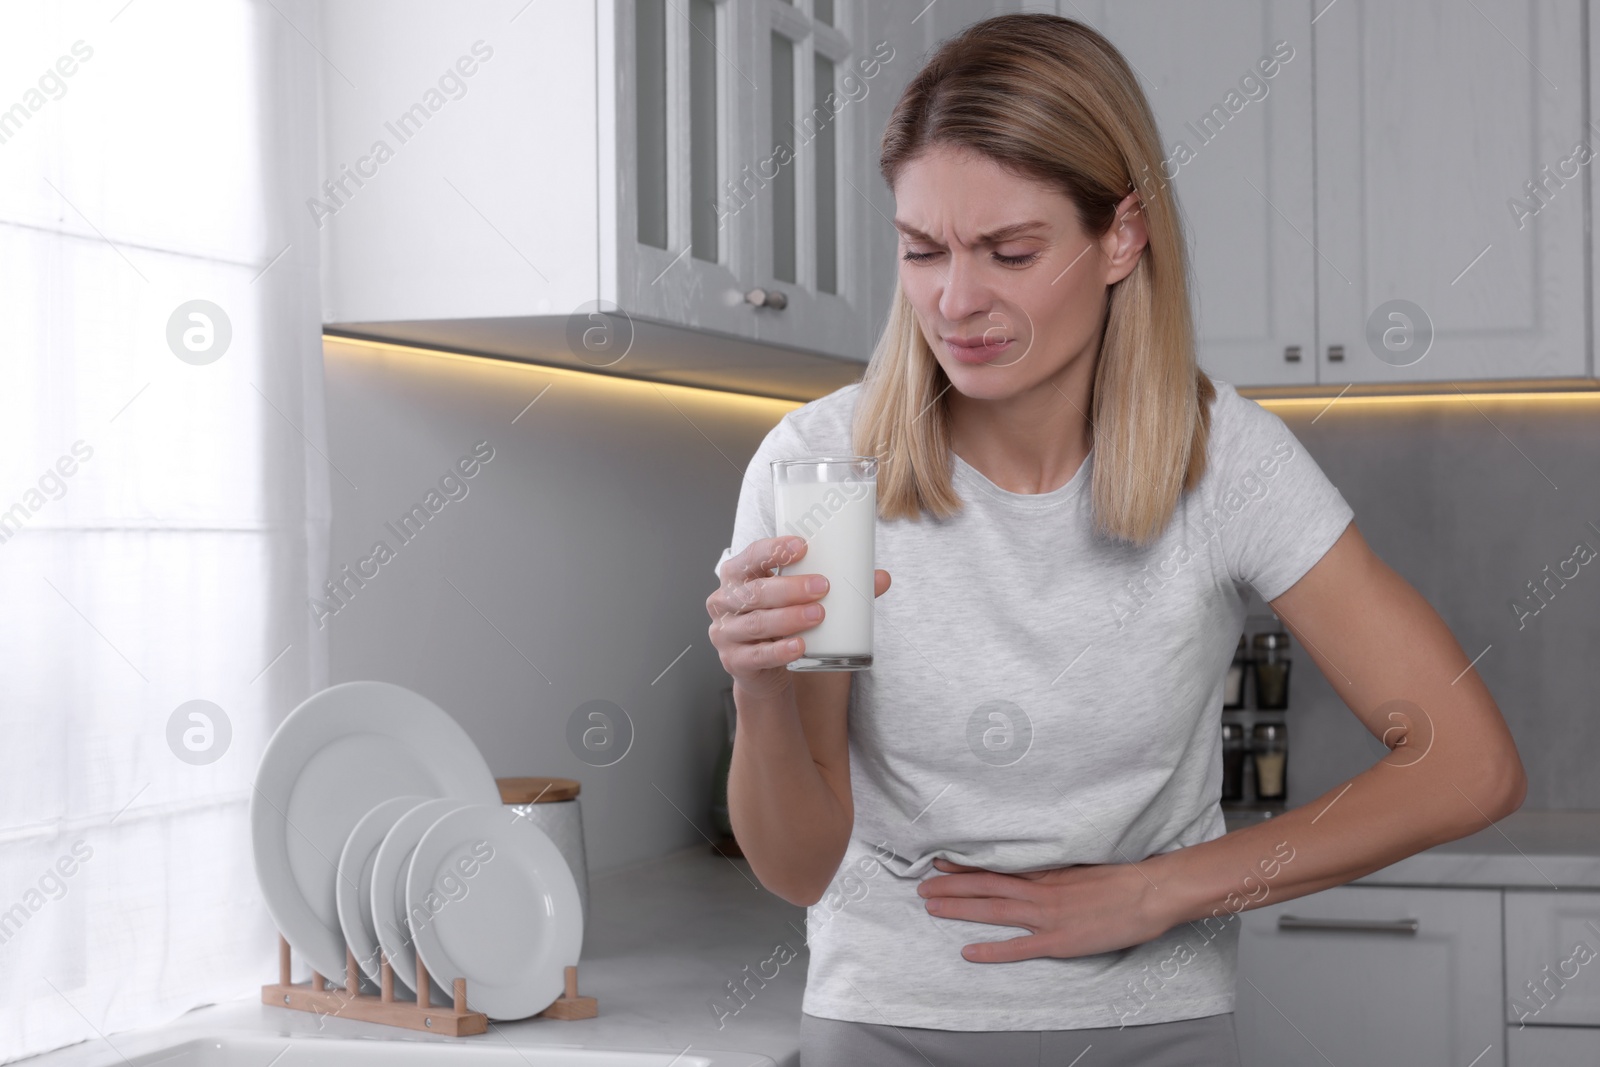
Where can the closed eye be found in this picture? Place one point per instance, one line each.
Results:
(1010, 261)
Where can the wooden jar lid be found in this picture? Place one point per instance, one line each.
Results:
(536, 790)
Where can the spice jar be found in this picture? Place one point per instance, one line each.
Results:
(551, 804)
(1269, 748)
(1233, 683)
(1270, 665)
(1232, 761)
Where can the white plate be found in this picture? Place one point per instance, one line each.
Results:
(492, 900)
(389, 916)
(334, 758)
(355, 881)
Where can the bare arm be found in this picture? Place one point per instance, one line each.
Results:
(1452, 770)
(789, 785)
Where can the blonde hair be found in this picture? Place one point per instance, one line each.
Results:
(1050, 99)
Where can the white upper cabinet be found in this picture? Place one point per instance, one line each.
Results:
(1384, 194)
(1419, 217)
(689, 162)
(1230, 85)
(1441, 131)
(460, 152)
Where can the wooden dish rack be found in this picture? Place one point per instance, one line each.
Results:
(456, 1019)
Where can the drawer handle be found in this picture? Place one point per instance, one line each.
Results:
(1366, 926)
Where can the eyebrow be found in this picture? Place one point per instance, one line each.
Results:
(992, 237)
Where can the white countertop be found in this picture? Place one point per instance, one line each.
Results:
(664, 940)
(1525, 850)
(668, 935)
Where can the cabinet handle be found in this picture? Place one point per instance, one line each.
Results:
(1369, 926)
(1336, 353)
(770, 298)
(1291, 354)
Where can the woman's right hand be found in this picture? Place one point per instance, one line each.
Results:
(756, 614)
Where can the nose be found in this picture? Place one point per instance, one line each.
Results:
(965, 293)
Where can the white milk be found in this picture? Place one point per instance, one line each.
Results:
(837, 520)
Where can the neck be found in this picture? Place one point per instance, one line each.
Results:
(1032, 442)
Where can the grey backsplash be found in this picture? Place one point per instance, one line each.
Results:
(1469, 502)
(577, 567)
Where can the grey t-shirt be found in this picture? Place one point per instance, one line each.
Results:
(1040, 697)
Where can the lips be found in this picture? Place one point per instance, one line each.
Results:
(971, 342)
(976, 349)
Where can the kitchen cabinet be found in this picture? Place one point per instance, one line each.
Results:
(1552, 1046)
(1425, 155)
(810, 227)
(1421, 975)
(1360, 974)
(1553, 960)
(662, 188)
(460, 148)
(1420, 152)
(677, 123)
(1243, 180)
(777, 241)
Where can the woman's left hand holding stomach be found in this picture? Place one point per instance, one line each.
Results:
(1071, 911)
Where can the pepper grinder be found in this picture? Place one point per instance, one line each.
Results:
(1270, 665)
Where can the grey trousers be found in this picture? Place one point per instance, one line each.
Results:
(1205, 1042)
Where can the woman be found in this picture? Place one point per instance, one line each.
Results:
(1008, 832)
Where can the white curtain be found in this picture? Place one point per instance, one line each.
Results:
(163, 520)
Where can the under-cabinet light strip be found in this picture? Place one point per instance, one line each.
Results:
(1453, 397)
(587, 377)
(1462, 399)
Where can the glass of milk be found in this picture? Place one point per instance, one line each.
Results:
(832, 502)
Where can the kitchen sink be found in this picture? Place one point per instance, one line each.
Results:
(259, 1050)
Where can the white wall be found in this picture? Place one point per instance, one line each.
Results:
(588, 541)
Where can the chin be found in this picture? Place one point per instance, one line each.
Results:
(980, 381)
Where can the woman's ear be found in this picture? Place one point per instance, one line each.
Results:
(1124, 242)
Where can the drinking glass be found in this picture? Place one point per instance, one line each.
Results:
(832, 503)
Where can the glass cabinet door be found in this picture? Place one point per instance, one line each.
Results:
(810, 133)
(685, 94)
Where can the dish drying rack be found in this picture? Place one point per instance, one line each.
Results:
(456, 1019)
